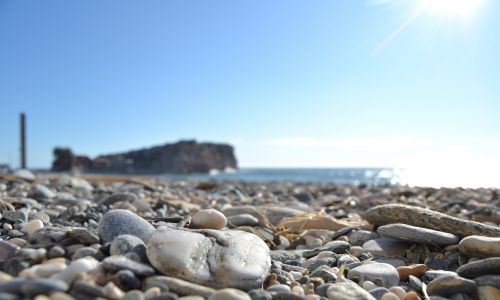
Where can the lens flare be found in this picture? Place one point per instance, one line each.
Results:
(453, 8)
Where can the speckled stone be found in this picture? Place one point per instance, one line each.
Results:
(233, 258)
(119, 221)
(381, 274)
(126, 243)
(480, 246)
(418, 234)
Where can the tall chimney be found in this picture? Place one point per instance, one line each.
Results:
(23, 141)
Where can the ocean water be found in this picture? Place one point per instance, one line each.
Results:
(377, 176)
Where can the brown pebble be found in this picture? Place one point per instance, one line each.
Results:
(389, 296)
(411, 295)
(416, 270)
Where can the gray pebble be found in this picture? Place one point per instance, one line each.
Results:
(449, 285)
(386, 247)
(378, 292)
(259, 294)
(7, 250)
(418, 234)
(487, 266)
(381, 274)
(118, 262)
(334, 246)
(118, 222)
(118, 197)
(126, 243)
(36, 287)
(134, 295)
(17, 215)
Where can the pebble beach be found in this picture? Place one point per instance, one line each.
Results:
(69, 237)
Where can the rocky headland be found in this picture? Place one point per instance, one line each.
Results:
(138, 238)
(181, 157)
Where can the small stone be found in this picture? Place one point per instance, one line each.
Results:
(83, 236)
(134, 295)
(242, 259)
(488, 293)
(209, 219)
(399, 291)
(32, 226)
(411, 295)
(447, 286)
(347, 290)
(356, 251)
(118, 222)
(126, 243)
(493, 280)
(480, 246)
(111, 291)
(386, 247)
(229, 294)
(324, 272)
(86, 290)
(359, 237)
(433, 274)
(48, 269)
(119, 262)
(259, 294)
(126, 280)
(379, 292)
(179, 286)
(24, 174)
(16, 215)
(418, 234)
(415, 284)
(77, 267)
(43, 192)
(56, 251)
(338, 247)
(381, 274)
(415, 270)
(368, 285)
(421, 217)
(83, 252)
(243, 220)
(152, 293)
(279, 288)
(7, 250)
(487, 266)
(390, 296)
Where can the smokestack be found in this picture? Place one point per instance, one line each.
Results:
(23, 141)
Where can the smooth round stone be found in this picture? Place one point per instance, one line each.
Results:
(24, 174)
(446, 286)
(119, 221)
(381, 274)
(386, 247)
(260, 294)
(390, 296)
(379, 292)
(399, 291)
(43, 287)
(126, 243)
(229, 294)
(356, 251)
(338, 247)
(347, 290)
(118, 197)
(209, 219)
(32, 226)
(243, 220)
(418, 234)
(359, 237)
(127, 280)
(368, 285)
(43, 191)
(488, 293)
(83, 252)
(134, 295)
(7, 250)
(16, 215)
(47, 270)
(77, 267)
(119, 262)
(433, 274)
(178, 286)
(480, 246)
(215, 258)
(83, 236)
(487, 266)
(395, 262)
(493, 280)
(191, 298)
(416, 270)
(279, 288)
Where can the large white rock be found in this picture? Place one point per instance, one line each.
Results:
(217, 258)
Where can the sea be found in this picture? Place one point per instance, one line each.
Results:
(356, 176)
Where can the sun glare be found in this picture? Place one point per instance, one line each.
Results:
(451, 8)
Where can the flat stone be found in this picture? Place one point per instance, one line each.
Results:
(16, 215)
(119, 262)
(421, 217)
(243, 220)
(433, 274)
(12, 286)
(229, 294)
(179, 286)
(43, 192)
(488, 293)
(487, 266)
(36, 287)
(493, 280)
(347, 290)
(480, 246)
(24, 174)
(359, 237)
(386, 247)
(449, 285)
(381, 274)
(232, 258)
(118, 222)
(334, 246)
(77, 267)
(418, 234)
(83, 236)
(416, 270)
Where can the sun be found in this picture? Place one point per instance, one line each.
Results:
(450, 8)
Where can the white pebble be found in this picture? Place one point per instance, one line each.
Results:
(325, 254)
(77, 267)
(47, 270)
(368, 285)
(209, 219)
(32, 226)
(229, 294)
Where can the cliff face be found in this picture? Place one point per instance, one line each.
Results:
(181, 157)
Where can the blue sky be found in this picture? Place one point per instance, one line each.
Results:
(289, 83)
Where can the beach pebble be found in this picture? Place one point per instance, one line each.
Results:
(259, 294)
(386, 247)
(229, 294)
(16, 215)
(118, 197)
(446, 286)
(411, 295)
(493, 280)
(416, 270)
(43, 192)
(43, 286)
(209, 219)
(418, 234)
(487, 266)
(421, 217)
(77, 267)
(399, 291)
(48, 269)
(347, 290)
(126, 243)
(338, 247)
(243, 220)
(488, 293)
(381, 274)
(179, 286)
(279, 288)
(24, 174)
(118, 222)
(480, 246)
(116, 263)
(32, 226)
(243, 258)
(359, 237)
(390, 296)
(7, 250)
(134, 295)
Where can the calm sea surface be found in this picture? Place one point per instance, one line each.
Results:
(380, 176)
